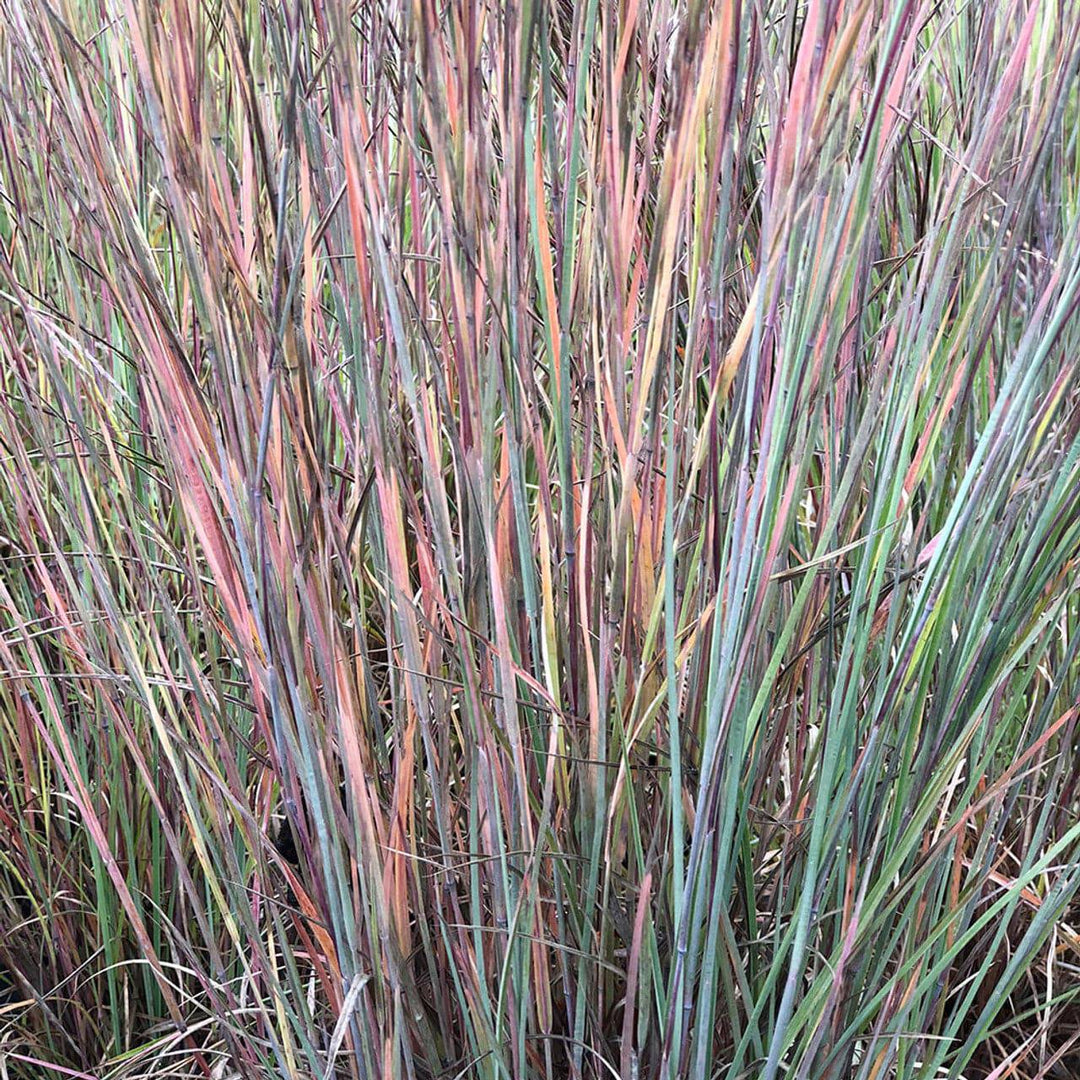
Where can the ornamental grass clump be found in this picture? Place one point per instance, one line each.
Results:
(539, 541)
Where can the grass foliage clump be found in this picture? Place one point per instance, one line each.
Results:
(539, 540)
